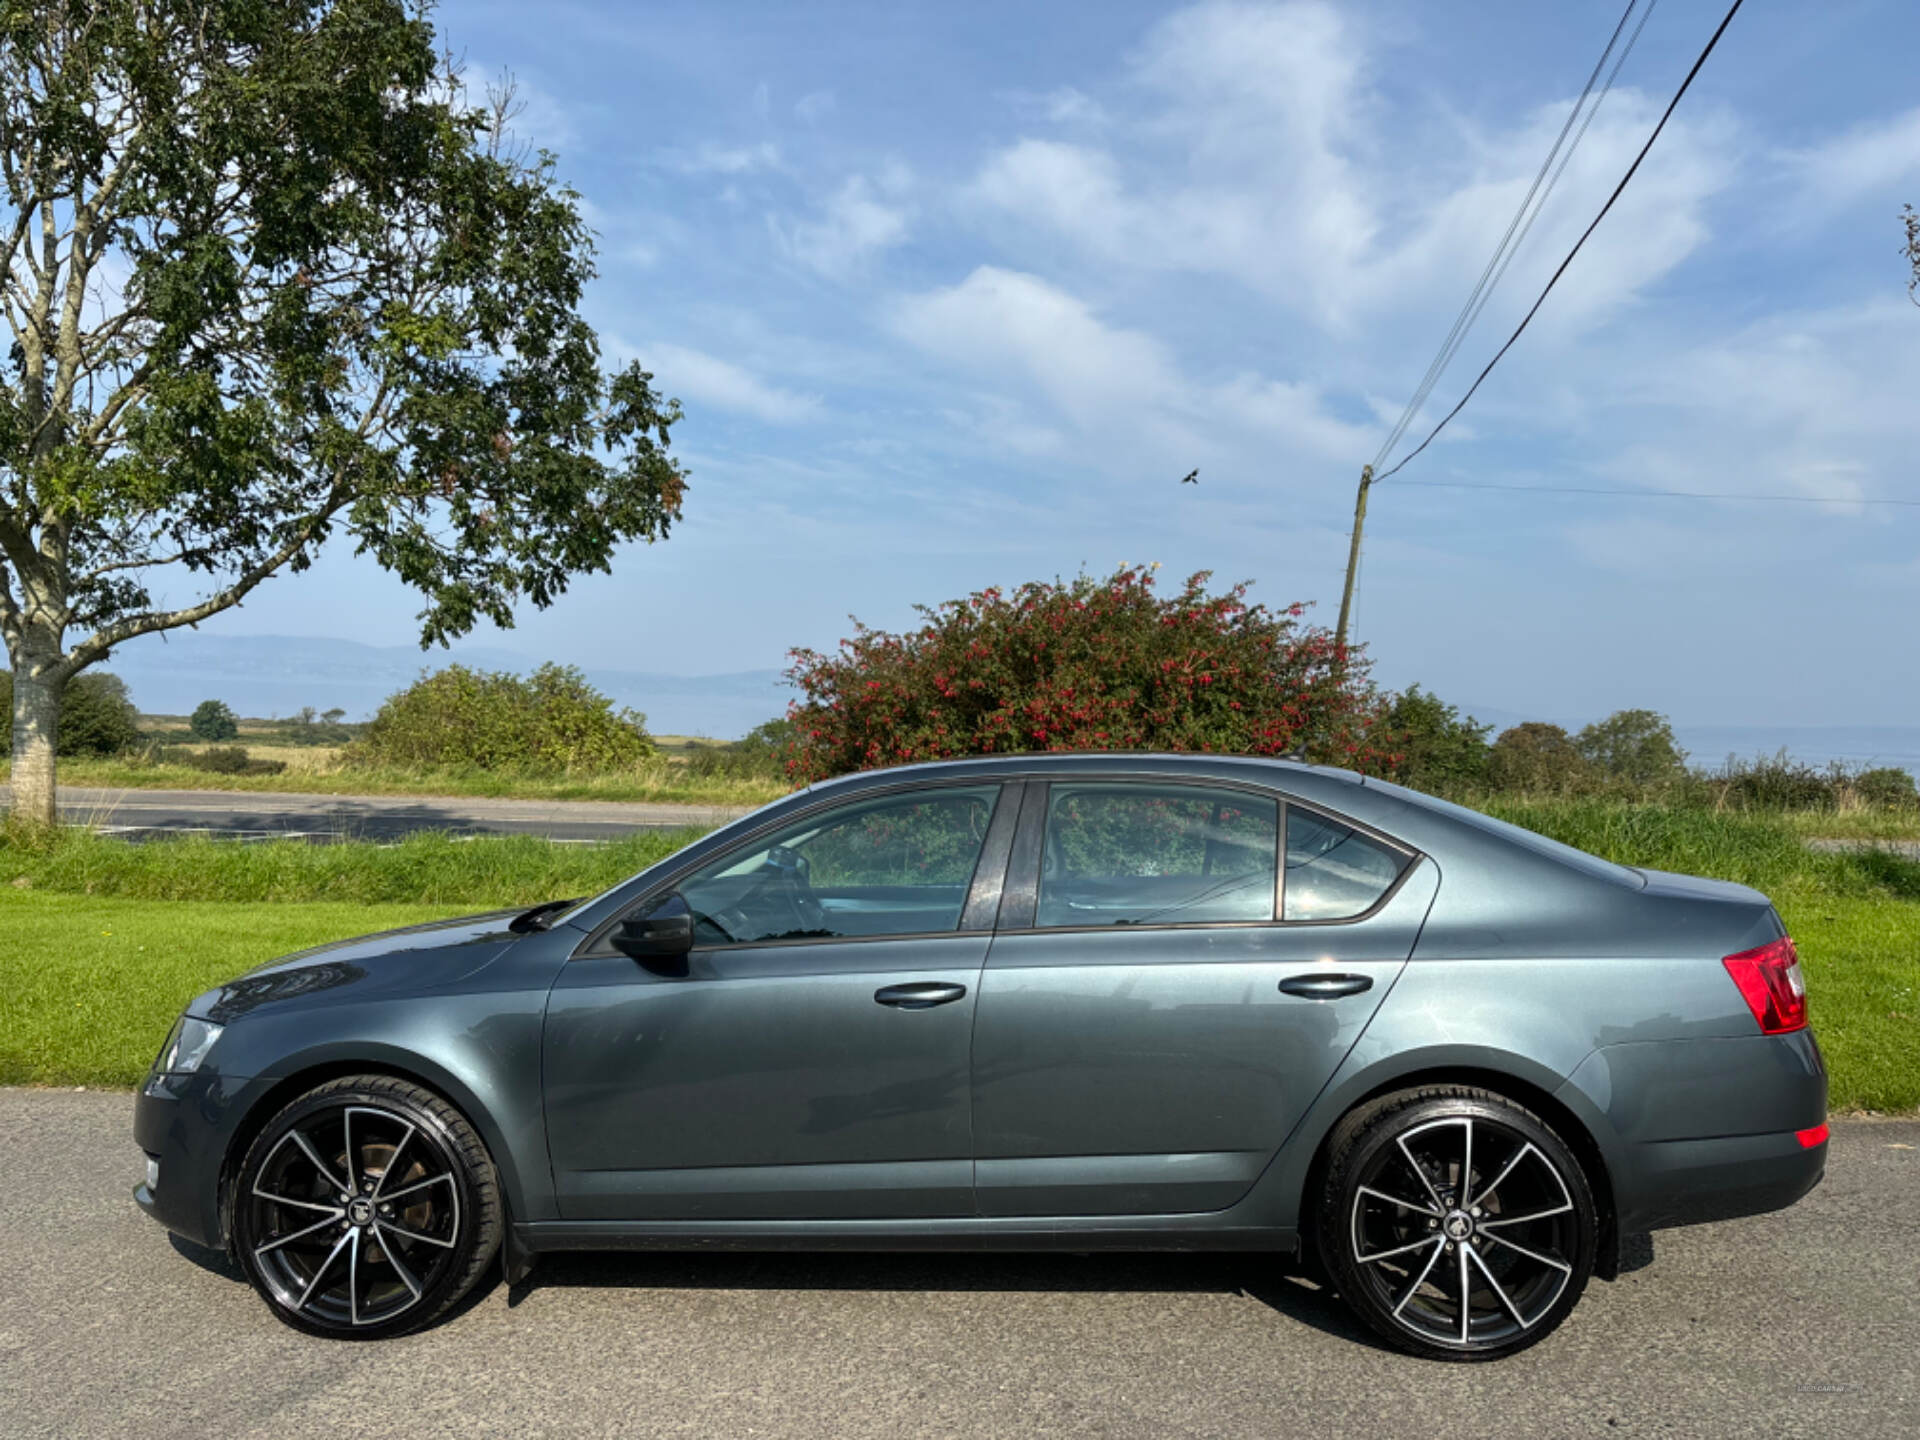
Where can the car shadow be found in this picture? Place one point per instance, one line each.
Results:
(1271, 1280)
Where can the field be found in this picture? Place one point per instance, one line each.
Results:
(102, 942)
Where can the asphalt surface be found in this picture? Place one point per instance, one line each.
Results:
(1800, 1323)
(140, 814)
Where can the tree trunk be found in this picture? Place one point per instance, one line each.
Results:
(36, 719)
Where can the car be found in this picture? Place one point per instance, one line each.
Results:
(1025, 1002)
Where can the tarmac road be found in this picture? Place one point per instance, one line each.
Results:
(1800, 1323)
(139, 814)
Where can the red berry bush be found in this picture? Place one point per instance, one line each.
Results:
(1090, 664)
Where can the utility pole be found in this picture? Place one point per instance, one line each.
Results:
(1353, 554)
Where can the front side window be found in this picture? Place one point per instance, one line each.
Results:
(1145, 854)
(1333, 871)
(894, 865)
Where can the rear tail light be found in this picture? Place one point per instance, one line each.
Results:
(1810, 1138)
(1770, 982)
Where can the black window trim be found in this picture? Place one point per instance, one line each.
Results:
(1020, 906)
(999, 826)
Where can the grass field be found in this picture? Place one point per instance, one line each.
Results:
(105, 941)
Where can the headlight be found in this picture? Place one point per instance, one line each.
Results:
(187, 1045)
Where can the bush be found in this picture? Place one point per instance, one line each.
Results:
(552, 720)
(213, 720)
(1888, 786)
(1440, 750)
(760, 755)
(96, 715)
(1635, 747)
(1537, 759)
(216, 759)
(1090, 664)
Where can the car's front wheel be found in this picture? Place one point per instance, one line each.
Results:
(1455, 1222)
(365, 1208)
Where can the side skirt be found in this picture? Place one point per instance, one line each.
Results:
(961, 1233)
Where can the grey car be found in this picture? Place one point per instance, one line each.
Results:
(1075, 1002)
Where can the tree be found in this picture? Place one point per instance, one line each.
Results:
(552, 720)
(213, 720)
(1536, 757)
(1911, 219)
(333, 716)
(1440, 749)
(1095, 663)
(272, 272)
(1636, 746)
(97, 716)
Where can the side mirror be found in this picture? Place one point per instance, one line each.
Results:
(661, 937)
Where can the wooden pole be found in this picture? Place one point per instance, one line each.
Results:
(1353, 554)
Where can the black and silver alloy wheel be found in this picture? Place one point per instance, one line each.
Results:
(365, 1208)
(1456, 1223)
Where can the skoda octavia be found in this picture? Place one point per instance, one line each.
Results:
(1032, 1002)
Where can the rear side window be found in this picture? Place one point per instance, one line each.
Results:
(1144, 854)
(1333, 871)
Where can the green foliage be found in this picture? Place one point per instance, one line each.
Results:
(217, 760)
(327, 294)
(551, 721)
(1636, 746)
(1095, 663)
(1536, 758)
(213, 720)
(97, 716)
(1888, 786)
(759, 755)
(1440, 750)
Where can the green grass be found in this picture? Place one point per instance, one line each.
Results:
(424, 869)
(107, 940)
(662, 779)
(88, 986)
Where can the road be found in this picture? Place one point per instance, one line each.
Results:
(1801, 1323)
(138, 814)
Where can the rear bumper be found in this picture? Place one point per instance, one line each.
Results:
(1697, 1130)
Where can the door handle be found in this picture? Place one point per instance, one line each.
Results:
(919, 994)
(1325, 987)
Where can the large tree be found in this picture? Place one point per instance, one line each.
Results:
(272, 272)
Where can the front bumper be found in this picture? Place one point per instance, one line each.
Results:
(1705, 1129)
(185, 1123)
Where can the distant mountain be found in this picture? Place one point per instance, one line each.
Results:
(268, 675)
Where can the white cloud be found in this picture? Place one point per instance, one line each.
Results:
(855, 224)
(1120, 388)
(1256, 151)
(703, 379)
(712, 158)
(814, 107)
(1876, 157)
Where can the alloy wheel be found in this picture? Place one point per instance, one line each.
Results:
(354, 1216)
(1464, 1232)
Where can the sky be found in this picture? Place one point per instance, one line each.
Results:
(953, 295)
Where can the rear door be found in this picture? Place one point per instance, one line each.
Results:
(1164, 998)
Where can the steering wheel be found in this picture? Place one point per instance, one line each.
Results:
(795, 873)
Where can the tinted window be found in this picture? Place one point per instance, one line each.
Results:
(1138, 854)
(896, 865)
(1333, 871)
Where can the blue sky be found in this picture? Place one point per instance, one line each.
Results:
(954, 294)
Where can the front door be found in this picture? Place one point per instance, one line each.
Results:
(1150, 1024)
(812, 1062)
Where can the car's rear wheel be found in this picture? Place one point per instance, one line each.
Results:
(1455, 1222)
(365, 1209)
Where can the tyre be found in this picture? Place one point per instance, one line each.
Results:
(365, 1209)
(1455, 1222)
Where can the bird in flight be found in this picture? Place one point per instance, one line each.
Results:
(1192, 477)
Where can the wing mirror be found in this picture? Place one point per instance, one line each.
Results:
(659, 938)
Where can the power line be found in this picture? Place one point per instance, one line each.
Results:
(1632, 169)
(1503, 252)
(1657, 494)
